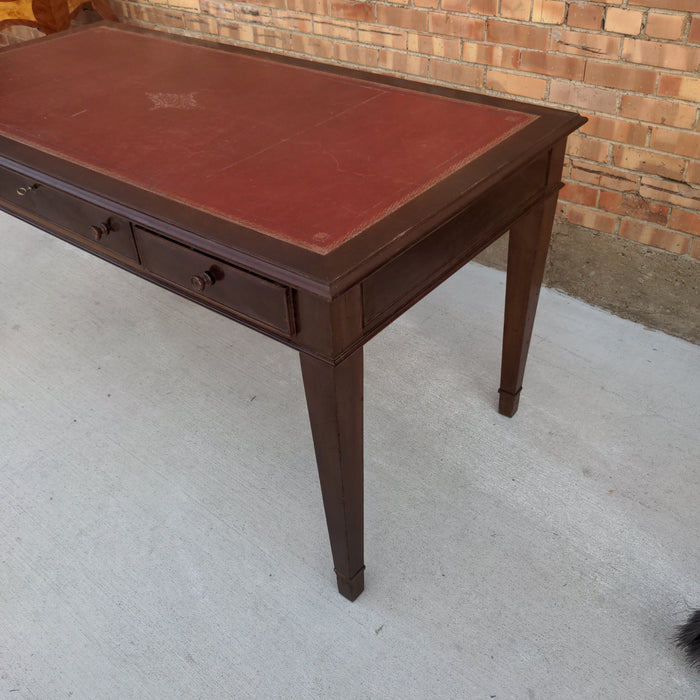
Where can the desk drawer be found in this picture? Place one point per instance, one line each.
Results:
(93, 223)
(105, 229)
(246, 294)
(18, 190)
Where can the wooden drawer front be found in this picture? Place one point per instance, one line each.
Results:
(17, 190)
(246, 294)
(418, 269)
(104, 229)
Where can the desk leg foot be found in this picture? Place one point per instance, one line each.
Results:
(527, 254)
(334, 401)
(508, 403)
(351, 588)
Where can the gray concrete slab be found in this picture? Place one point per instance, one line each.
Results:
(161, 527)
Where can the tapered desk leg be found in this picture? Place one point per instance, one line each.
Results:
(334, 400)
(527, 254)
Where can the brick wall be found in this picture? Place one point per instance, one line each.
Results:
(631, 66)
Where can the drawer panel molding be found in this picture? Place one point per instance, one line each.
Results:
(244, 293)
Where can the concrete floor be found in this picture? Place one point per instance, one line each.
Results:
(161, 528)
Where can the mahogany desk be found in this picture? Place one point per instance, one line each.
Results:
(312, 203)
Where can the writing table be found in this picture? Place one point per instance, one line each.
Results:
(312, 203)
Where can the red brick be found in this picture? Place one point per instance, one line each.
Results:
(681, 86)
(431, 4)
(484, 7)
(653, 236)
(401, 62)
(585, 16)
(658, 111)
(201, 24)
(216, 9)
(678, 5)
(629, 204)
(694, 31)
(517, 34)
(629, 78)
(432, 45)
(659, 53)
(548, 11)
(318, 7)
(682, 143)
(463, 27)
(455, 6)
(673, 192)
(566, 168)
(662, 26)
(314, 5)
(167, 18)
(604, 176)
(352, 53)
(686, 221)
(587, 148)
(623, 21)
(516, 84)
(574, 192)
(456, 73)
(694, 251)
(359, 11)
(236, 32)
(402, 17)
(382, 36)
(648, 162)
(585, 43)
(587, 98)
(591, 218)
(618, 130)
(268, 36)
(693, 172)
(515, 9)
(548, 63)
(259, 15)
(189, 5)
(335, 28)
(312, 46)
(295, 21)
(491, 55)
(128, 11)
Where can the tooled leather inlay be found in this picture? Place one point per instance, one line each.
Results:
(296, 153)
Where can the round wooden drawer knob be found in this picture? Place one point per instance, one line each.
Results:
(202, 281)
(100, 230)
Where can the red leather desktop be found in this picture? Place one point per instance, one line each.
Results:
(302, 155)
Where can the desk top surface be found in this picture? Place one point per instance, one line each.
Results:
(302, 155)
